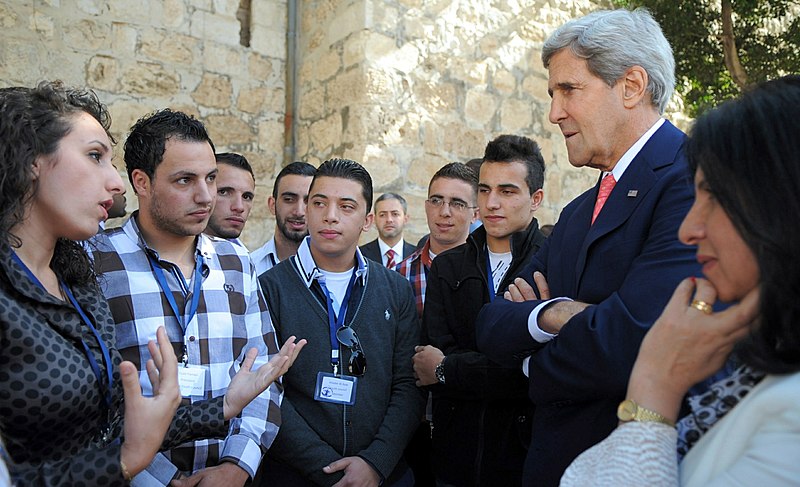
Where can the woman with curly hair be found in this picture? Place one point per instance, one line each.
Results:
(71, 412)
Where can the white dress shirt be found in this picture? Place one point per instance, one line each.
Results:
(265, 257)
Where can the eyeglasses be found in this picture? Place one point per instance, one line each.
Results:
(358, 362)
(456, 205)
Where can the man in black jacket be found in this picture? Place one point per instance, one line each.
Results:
(481, 413)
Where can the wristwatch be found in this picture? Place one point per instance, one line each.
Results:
(439, 372)
(628, 410)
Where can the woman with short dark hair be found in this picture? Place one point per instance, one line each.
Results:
(746, 429)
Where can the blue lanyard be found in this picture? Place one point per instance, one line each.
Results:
(104, 388)
(183, 320)
(489, 275)
(89, 354)
(337, 321)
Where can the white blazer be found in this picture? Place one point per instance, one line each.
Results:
(756, 444)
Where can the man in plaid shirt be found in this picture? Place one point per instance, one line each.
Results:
(159, 269)
(450, 209)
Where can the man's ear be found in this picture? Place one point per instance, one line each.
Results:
(634, 86)
(536, 199)
(141, 182)
(271, 205)
(368, 222)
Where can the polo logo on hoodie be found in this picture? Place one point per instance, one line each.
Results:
(387, 315)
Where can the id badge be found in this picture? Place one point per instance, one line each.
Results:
(337, 389)
(192, 380)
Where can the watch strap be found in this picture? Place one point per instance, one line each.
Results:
(630, 411)
(439, 372)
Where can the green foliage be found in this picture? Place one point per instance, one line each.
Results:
(767, 38)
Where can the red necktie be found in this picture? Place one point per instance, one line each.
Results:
(606, 185)
(390, 263)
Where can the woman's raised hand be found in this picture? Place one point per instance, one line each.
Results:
(148, 418)
(686, 345)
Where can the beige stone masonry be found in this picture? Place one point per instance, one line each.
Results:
(417, 84)
(213, 91)
(402, 86)
(143, 55)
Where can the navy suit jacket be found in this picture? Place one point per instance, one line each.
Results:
(372, 251)
(627, 266)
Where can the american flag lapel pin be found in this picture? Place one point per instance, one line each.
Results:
(632, 193)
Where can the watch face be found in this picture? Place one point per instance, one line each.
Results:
(626, 410)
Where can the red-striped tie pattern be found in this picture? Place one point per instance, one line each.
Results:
(390, 263)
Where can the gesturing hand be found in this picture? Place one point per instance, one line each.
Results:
(357, 472)
(147, 418)
(226, 474)
(247, 383)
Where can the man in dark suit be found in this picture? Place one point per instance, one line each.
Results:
(613, 259)
(391, 216)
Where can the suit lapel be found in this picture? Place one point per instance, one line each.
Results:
(372, 249)
(632, 188)
(408, 249)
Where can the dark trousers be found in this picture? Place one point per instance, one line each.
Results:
(419, 457)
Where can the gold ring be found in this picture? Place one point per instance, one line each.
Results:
(701, 306)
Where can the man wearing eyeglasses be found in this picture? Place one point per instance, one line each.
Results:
(470, 392)
(450, 210)
(351, 406)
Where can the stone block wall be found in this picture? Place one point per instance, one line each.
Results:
(405, 86)
(402, 86)
(143, 55)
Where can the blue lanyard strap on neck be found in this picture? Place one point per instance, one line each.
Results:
(337, 321)
(183, 320)
(105, 388)
(89, 354)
